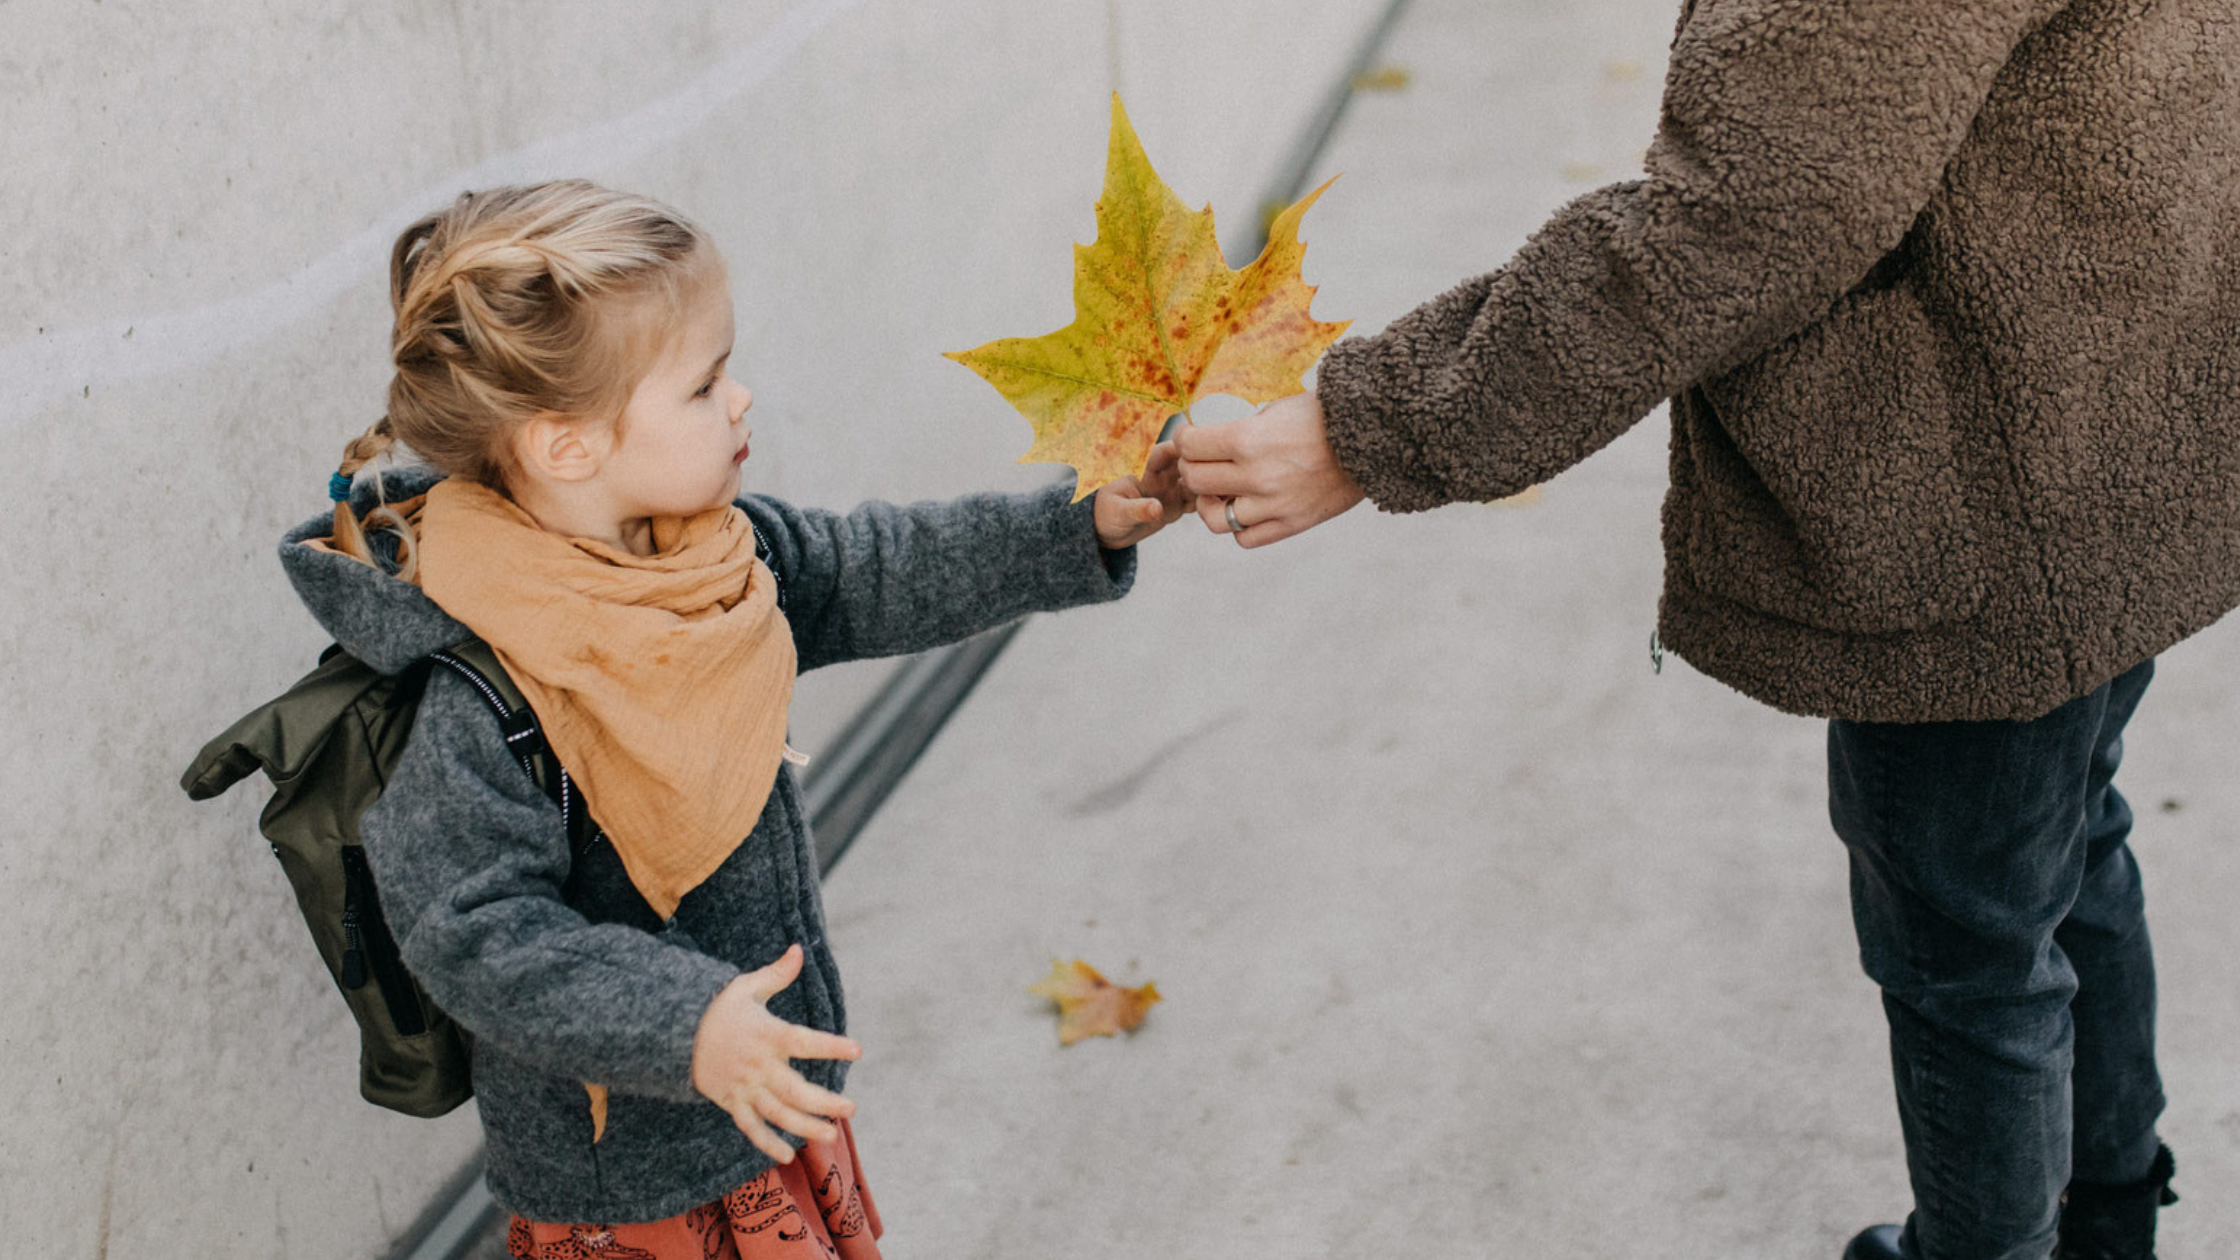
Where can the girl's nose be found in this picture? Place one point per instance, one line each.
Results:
(746, 400)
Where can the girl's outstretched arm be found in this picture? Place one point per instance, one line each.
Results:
(886, 580)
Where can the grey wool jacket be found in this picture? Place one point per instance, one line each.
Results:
(471, 858)
(1946, 299)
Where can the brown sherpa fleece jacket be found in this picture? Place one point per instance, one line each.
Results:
(1946, 298)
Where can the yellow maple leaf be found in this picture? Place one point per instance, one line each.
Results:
(1090, 1005)
(1160, 321)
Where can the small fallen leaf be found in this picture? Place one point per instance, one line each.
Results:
(1090, 1005)
(1582, 172)
(1385, 78)
(1159, 321)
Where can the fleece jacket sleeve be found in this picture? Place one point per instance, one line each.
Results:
(885, 580)
(469, 856)
(1799, 140)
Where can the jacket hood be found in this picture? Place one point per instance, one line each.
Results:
(385, 622)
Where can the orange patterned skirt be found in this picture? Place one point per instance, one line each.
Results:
(815, 1208)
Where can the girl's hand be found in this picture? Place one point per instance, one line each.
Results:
(739, 1061)
(1134, 508)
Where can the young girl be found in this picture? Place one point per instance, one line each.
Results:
(651, 1021)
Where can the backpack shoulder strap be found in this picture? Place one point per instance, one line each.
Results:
(769, 555)
(475, 662)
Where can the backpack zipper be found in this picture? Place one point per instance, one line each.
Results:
(370, 951)
(353, 919)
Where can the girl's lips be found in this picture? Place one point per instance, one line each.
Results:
(741, 457)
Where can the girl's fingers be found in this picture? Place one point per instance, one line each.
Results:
(1163, 457)
(793, 1090)
(808, 1043)
(777, 1148)
(794, 1120)
(772, 980)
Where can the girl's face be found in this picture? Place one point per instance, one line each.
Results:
(684, 431)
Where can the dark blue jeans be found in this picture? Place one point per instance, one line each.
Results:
(1999, 907)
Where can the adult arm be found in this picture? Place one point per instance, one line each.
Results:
(1799, 141)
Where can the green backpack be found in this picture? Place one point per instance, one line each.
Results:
(328, 744)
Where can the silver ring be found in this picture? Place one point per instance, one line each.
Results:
(1229, 509)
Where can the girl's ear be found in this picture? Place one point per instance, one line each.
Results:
(550, 447)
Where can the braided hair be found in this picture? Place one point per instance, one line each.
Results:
(512, 303)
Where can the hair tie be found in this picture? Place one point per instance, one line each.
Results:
(338, 487)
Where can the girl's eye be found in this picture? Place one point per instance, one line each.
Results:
(702, 392)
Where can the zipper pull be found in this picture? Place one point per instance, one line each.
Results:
(354, 880)
(353, 952)
(1656, 653)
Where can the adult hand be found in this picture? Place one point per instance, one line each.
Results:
(1272, 473)
(740, 1062)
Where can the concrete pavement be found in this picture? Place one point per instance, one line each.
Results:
(1477, 936)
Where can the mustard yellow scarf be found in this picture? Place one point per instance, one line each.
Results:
(661, 681)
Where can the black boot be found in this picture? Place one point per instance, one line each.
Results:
(1876, 1242)
(2115, 1222)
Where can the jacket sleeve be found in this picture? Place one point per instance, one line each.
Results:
(1799, 141)
(884, 580)
(469, 857)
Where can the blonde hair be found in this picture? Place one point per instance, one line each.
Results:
(512, 303)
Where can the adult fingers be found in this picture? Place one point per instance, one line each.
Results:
(1206, 442)
(1222, 479)
(1248, 532)
(1209, 511)
(1266, 532)
(770, 981)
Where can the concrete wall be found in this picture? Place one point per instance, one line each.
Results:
(199, 200)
